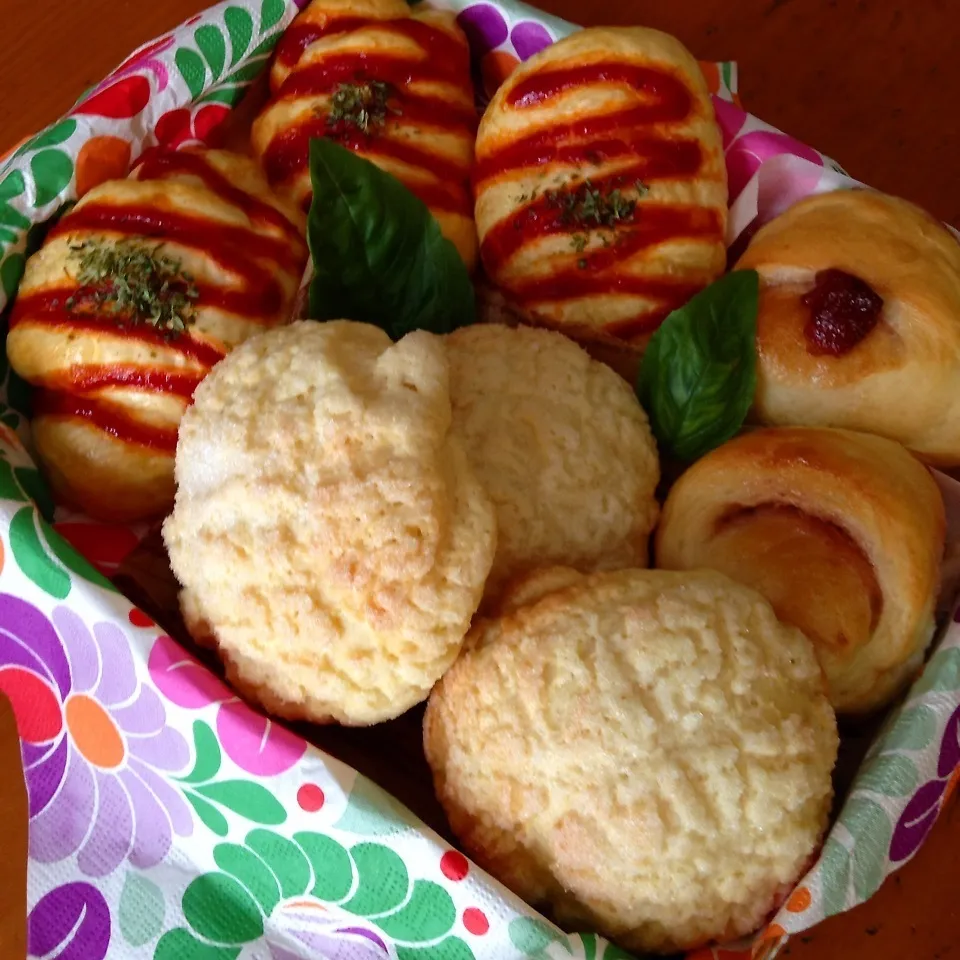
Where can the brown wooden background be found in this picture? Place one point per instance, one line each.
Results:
(875, 84)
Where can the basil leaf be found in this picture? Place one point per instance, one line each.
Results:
(699, 372)
(378, 254)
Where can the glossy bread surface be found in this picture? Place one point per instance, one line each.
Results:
(425, 136)
(900, 380)
(110, 397)
(624, 116)
(842, 532)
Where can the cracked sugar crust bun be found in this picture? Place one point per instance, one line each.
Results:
(561, 445)
(329, 535)
(649, 753)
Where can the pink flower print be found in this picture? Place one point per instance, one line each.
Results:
(746, 154)
(253, 742)
(96, 747)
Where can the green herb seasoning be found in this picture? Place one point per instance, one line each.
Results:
(589, 206)
(133, 283)
(362, 105)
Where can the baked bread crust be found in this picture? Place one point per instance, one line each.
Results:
(842, 532)
(900, 380)
(648, 752)
(601, 110)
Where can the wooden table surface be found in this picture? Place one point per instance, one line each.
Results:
(872, 83)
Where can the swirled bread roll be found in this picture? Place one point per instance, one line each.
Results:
(859, 322)
(136, 293)
(647, 752)
(330, 537)
(391, 85)
(601, 189)
(842, 532)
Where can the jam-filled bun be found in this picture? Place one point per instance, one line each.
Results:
(391, 85)
(859, 322)
(842, 532)
(112, 386)
(601, 189)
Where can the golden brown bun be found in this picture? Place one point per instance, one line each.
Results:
(613, 286)
(900, 380)
(427, 138)
(647, 752)
(842, 532)
(330, 537)
(561, 446)
(111, 398)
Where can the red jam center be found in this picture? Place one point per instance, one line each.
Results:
(843, 310)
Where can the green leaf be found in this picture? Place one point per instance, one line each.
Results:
(141, 910)
(941, 674)
(7, 236)
(212, 818)
(207, 751)
(250, 800)
(286, 861)
(914, 729)
(9, 488)
(532, 936)
(698, 375)
(265, 46)
(332, 866)
(32, 557)
(192, 69)
(382, 880)
(72, 560)
(372, 812)
(11, 270)
(221, 910)
(33, 484)
(891, 775)
(55, 135)
(834, 871)
(871, 830)
(12, 185)
(180, 944)
(613, 952)
(52, 170)
(210, 41)
(378, 254)
(270, 14)
(240, 27)
(9, 217)
(250, 870)
(428, 914)
(452, 948)
(227, 95)
(249, 71)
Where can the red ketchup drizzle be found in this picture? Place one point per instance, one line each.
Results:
(298, 36)
(288, 154)
(110, 418)
(843, 311)
(159, 164)
(83, 379)
(444, 60)
(629, 133)
(237, 249)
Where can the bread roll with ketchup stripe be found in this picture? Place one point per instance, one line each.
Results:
(842, 532)
(392, 86)
(601, 190)
(112, 385)
(859, 321)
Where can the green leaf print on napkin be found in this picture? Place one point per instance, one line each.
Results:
(312, 882)
(141, 910)
(247, 799)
